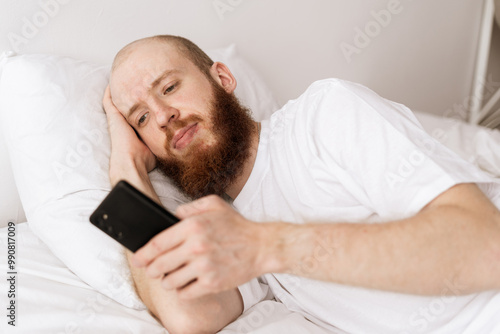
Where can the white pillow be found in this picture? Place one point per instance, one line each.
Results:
(11, 209)
(251, 91)
(56, 134)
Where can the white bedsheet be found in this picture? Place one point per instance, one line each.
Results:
(474, 143)
(50, 299)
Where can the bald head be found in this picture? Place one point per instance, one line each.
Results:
(182, 45)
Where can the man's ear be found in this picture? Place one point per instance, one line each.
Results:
(223, 76)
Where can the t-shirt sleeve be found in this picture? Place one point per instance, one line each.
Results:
(253, 292)
(387, 159)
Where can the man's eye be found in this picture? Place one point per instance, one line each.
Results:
(142, 119)
(169, 89)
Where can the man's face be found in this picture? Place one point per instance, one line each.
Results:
(199, 132)
(165, 98)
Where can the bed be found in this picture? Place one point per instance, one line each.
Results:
(51, 298)
(68, 277)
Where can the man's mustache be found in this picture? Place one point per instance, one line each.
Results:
(177, 125)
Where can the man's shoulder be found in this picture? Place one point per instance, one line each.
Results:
(344, 99)
(334, 109)
(331, 91)
(330, 95)
(322, 104)
(334, 84)
(340, 105)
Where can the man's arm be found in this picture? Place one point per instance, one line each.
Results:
(131, 160)
(454, 240)
(207, 314)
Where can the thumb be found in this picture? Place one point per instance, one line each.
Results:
(201, 205)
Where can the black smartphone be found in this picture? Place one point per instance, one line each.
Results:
(130, 217)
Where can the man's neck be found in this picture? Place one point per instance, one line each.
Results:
(236, 187)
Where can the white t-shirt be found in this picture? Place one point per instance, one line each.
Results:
(341, 153)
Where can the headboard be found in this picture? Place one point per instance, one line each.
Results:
(420, 53)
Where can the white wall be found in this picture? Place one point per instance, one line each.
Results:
(494, 62)
(422, 57)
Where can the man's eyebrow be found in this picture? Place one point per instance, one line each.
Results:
(161, 77)
(155, 83)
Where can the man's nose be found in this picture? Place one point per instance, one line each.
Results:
(165, 115)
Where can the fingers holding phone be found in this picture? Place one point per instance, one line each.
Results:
(211, 250)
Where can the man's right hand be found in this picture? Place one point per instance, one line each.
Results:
(126, 147)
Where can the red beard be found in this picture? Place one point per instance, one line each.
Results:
(203, 171)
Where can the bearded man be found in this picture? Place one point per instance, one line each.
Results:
(325, 219)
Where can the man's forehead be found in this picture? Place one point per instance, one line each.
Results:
(148, 58)
(151, 58)
(146, 49)
(141, 70)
